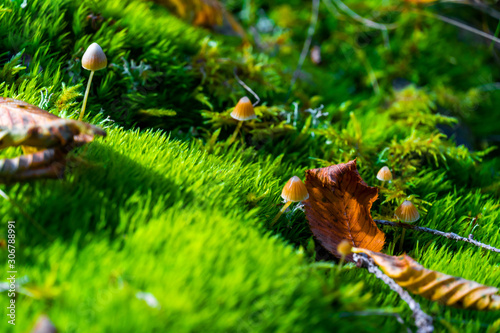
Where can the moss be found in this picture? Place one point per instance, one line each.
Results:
(181, 233)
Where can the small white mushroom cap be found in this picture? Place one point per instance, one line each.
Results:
(384, 174)
(94, 58)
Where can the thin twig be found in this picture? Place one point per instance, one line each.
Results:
(422, 320)
(449, 235)
(359, 18)
(369, 23)
(465, 27)
(307, 43)
(247, 88)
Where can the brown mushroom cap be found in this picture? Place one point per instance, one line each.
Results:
(407, 212)
(384, 174)
(244, 110)
(344, 248)
(94, 58)
(295, 190)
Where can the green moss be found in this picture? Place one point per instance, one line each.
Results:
(182, 233)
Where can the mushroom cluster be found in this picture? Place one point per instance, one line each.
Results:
(406, 212)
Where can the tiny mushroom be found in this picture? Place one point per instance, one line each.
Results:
(407, 213)
(344, 249)
(384, 175)
(316, 55)
(294, 191)
(93, 60)
(243, 111)
(44, 325)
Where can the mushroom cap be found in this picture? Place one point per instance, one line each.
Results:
(295, 190)
(407, 212)
(344, 248)
(244, 110)
(44, 325)
(94, 58)
(384, 174)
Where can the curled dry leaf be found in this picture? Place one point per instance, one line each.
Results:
(45, 136)
(339, 206)
(47, 163)
(19, 114)
(16, 113)
(436, 286)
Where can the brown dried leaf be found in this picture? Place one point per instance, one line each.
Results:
(15, 113)
(48, 163)
(339, 208)
(205, 13)
(19, 114)
(36, 129)
(436, 286)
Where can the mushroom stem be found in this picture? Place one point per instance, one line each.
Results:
(341, 263)
(86, 96)
(238, 127)
(288, 203)
(402, 240)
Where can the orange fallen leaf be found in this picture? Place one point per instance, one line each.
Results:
(339, 208)
(436, 286)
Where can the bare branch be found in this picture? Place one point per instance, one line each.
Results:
(422, 320)
(449, 235)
